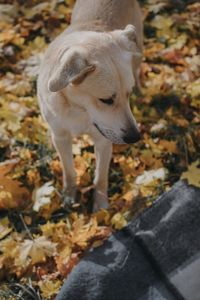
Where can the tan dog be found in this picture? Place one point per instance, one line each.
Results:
(85, 82)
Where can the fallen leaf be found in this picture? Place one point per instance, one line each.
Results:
(66, 268)
(118, 221)
(35, 251)
(49, 288)
(192, 174)
(163, 25)
(169, 146)
(102, 216)
(55, 231)
(193, 89)
(63, 258)
(82, 232)
(149, 176)
(12, 194)
(5, 228)
(42, 196)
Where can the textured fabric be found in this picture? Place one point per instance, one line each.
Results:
(173, 242)
(156, 257)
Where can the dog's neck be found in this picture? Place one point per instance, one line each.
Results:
(93, 25)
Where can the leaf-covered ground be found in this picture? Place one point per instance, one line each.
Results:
(40, 242)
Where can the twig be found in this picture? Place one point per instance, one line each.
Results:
(25, 226)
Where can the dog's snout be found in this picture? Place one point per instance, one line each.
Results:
(131, 136)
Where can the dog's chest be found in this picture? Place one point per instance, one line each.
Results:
(70, 118)
(77, 121)
(62, 115)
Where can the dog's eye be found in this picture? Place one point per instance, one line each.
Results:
(109, 101)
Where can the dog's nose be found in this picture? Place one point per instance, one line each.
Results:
(131, 137)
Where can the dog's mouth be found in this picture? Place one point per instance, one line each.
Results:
(110, 135)
(99, 129)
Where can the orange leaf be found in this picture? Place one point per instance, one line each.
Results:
(12, 194)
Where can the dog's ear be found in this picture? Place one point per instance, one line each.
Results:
(73, 67)
(130, 33)
(127, 39)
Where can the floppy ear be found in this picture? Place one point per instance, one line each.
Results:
(73, 67)
(127, 39)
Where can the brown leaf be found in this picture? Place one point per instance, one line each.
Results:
(65, 268)
(12, 194)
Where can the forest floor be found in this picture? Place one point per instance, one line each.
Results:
(40, 242)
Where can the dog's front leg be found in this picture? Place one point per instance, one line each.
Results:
(63, 145)
(103, 151)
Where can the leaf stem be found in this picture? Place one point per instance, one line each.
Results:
(25, 226)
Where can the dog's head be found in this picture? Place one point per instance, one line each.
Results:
(96, 73)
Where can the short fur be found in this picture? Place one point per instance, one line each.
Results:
(94, 61)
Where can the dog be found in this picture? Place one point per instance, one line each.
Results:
(85, 81)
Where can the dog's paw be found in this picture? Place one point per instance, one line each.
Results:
(100, 201)
(69, 198)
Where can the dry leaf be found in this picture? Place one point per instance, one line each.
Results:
(42, 196)
(55, 231)
(35, 251)
(49, 288)
(82, 232)
(102, 216)
(169, 146)
(193, 174)
(12, 194)
(5, 228)
(148, 176)
(118, 221)
(65, 268)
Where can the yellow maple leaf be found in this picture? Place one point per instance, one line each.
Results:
(35, 251)
(169, 146)
(150, 160)
(11, 119)
(49, 288)
(192, 174)
(118, 221)
(82, 232)
(9, 251)
(193, 89)
(163, 25)
(56, 232)
(149, 190)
